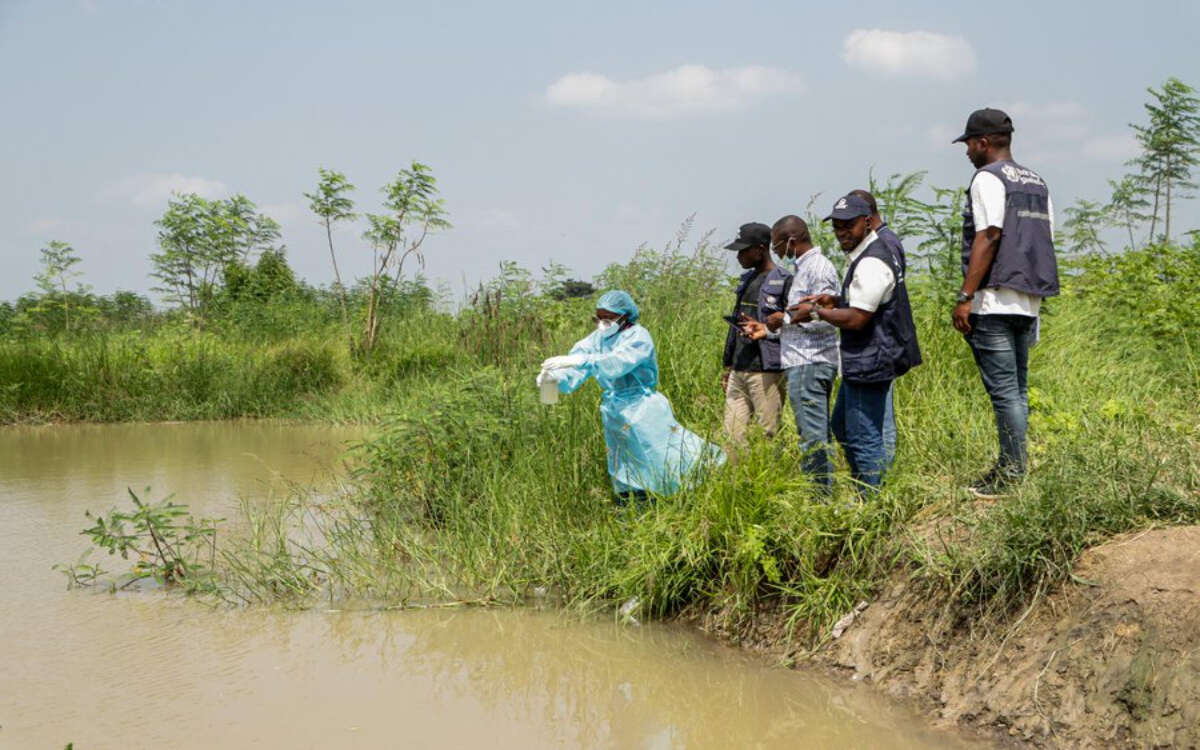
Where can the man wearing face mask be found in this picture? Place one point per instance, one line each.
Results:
(754, 379)
(808, 349)
(878, 337)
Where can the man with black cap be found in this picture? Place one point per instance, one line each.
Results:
(754, 380)
(1009, 266)
(878, 337)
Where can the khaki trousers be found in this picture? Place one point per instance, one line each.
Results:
(753, 395)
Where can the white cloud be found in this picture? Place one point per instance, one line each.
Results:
(685, 90)
(1120, 148)
(920, 54)
(153, 190)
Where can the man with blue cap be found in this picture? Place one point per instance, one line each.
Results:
(878, 337)
(892, 240)
(648, 451)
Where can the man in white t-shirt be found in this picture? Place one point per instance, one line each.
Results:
(1009, 266)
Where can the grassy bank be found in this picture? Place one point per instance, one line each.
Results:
(474, 491)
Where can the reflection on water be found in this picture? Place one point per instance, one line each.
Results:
(147, 670)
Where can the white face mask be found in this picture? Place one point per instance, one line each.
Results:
(607, 328)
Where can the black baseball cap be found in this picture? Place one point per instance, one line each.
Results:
(849, 206)
(751, 235)
(985, 121)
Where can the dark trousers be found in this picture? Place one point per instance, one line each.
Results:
(858, 417)
(1000, 344)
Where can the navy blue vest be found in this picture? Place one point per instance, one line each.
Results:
(886, 347)
(889, 237)
(772, 298)
(1025, 259)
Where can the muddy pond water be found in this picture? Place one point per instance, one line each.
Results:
(150, 670)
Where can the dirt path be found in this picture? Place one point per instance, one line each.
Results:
(1114, 662)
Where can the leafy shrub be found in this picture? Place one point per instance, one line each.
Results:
(1154, 291)
(298, 369)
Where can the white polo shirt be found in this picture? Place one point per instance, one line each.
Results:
(873, 283)
(988, 200)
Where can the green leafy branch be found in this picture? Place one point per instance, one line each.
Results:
(165, 541)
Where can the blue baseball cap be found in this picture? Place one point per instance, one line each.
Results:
(849, 207)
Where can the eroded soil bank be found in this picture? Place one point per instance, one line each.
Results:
(1109, 659)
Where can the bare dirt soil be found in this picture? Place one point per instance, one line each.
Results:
(1111, 659)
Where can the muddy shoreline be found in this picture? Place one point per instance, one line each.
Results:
(1109, 659)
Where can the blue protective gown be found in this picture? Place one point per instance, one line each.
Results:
(647, 449)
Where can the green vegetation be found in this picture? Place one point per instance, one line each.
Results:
(483, 493)
(472, 491)
(168, 545)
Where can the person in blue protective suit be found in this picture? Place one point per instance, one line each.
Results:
(648, 451)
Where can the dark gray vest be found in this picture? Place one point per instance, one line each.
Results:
(1025, 259)
(890, 239)
(772, 298)
(886, 347)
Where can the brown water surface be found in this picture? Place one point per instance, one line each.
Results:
(149, 670)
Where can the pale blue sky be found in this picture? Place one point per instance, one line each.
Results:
(110, 104)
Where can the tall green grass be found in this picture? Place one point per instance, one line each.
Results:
(127, 377)
(473, 490)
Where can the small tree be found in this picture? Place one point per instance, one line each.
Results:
(1170, 144)
(182, 244)
(330, 204)
(1081, 230)
(58, 258)
(199, 238)
(413, 205)
(896, 202)
(1126, 208)
(239, 231)
(939, 227)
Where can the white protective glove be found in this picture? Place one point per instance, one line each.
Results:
(546, 375)
(563, 362)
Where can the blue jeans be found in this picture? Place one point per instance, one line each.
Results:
(889, 427)
(809, 388)
(858, 426)
(1001, 346)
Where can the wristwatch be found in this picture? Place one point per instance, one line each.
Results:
(964, 297)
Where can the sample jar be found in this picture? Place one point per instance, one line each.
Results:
(548, 391)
